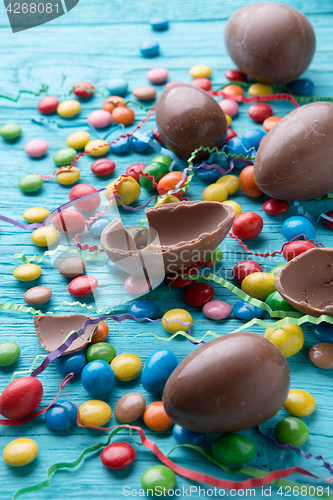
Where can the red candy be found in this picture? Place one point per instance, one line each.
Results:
(21, 397)
(328, 223)
(275, 207)
(48, 105)
(82, 286)
(296, 248)
(260, 111)
(182, 282)
(157, 136)
(135, 170)
(202, 83)
(244, 268)
(103, 167)
(230, 134)
(247, 226)
(197, 294)
(118, 456)
(80, 89)
(82, 190)
(69, 221)
(235, 76)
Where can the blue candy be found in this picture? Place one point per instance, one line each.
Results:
(303, 87)
(297, 225)
(61, 416)
(121, 146)
(97, 227)
(208, 174)
(70, 363)
(143, 309)
(140, 146)
(97, 378)
(254, 136)
(117, 86)
(237, 146)
(149, 48)
(157, 370)
(243, 310)
(323, 332)
(184, 436)
(159, 23)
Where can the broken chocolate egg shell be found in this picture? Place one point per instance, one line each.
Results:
(229, 384)
(295, 160)
(306, 282)
(187, 118)
(180, 235)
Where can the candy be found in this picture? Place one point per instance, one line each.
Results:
(299, 403)
(277, 303)
(233, 90)
(275, 207)
(100, 118)
(247, 226)
(321, 355)
(229, 106)
(21, 397)
(112, 102)
(82, 286)
(36, 148)
(130, 407)
(122, 145)
(155, 169)
(236, 207)
(296, 248)
(200, 71)
(208, 175)
(97, 147)
(103, 167)
(97, 227)
(270, 122)
(143, 309)
(127, 188)
(237, 146)
(67, 176)
(295, 226)
(97, 378)
(64, 156)
(259, 285)
(157, 370)
(257, 89)
(215, 192)
(141, 146)
(124, 115)
(229, 120)
(118, 456)
(177, 282)
(70, 363)
(27, 272)
(137, 285)
(276, 269)
(329, 223)
(78, 140)
(158, 478)
(216, 255)
(69, 222)
(254, 136)
(217, 310)
(10, 131)
(244, 268)
(202, 83)
(243, 310)
(170, 181)
(259, 111)
(291, 431)
(145, 93)
(303, 87)
(35, 214)
(9, 353)
(162, 200)
(87, 205)
(126, 367)
(61, 416)
(95, 412)
(233, 449)
(20, 452)
(159, 23)
(288, 338)
(44, 236)
(30, 183)
(117, 86)
(248, 184)
(235, 75)
(149, 48)
(230, 134)
(157, 75)
(197, 294)
(100, 333)
(71, 267)
(157, 136)
(171, 319)
(323, 332)
(139, 235)
(48, 105)
(101, 350)
(37, 295)
(83, 90)
(173, 82)
(184, 436)
(69, 108)
(155, 417)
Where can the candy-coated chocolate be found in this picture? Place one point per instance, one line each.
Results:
(145, 93)
(157, 75)
(122, 145)
(277, 303)
(37, 295)
(84, 90)
(97, 227)
(235, 76)
(173, 82)
(208, 174)
(217, 310)
(270, 122)
(72, 267)
(117, 86)
(254, 136)
(70, 363)
(323, 332)
(233, 449)
(229, 107)
(126, 367)
(302, 86)
(216, 255)
(229, 119)
(124, 115)
(9, 353)
(197, 294)
(103, 167)
(158, 478)
(236, 206)
(162, 159)
(139, 235)
(97, 378)
(30, 183)
(176, 281)
(184, 436)
(321, 355)
(299, 403)
(247, 225)
(101, 350)
(21, 397)
(260, 111)
(61, 416)
(236, 147)
(137, 285)
(275, 269)
(244, 268)
(157, 370)
(292, 431)
(127, 188)
(64, 156)
(215, 192)
(66, 176)
(162, 200)
(35, 214)
(82, 286)
(200, 71)
(157, 171)
(296, 248)
(243, 310)
(48, 105)
(100, 333)
(275, 207)
(143, 309)
(149, 48)
(100, 118)
(329, 223)
(44, 236)
(259, 285)
(20, 452)
(97, 147)
(86, 205)
(170, 181)
(156, 418)
(140, 146)
(78, 140)
(202, 83)
(95, 412)
(297, 226)
(69, 222)
(130, 407)
(288, 338)
(248, 184)
(36, 148)
(69, 108)
(259, 89)
(112, 102)
(171, 320)
(10, 131)
(157, 136)
(159, 23)
(230, 182)
(118, 456)
(27, 272)
(230, 134)
(233, 90)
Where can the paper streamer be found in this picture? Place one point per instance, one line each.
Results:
(44, 88)
(248, 100)
(60, 248)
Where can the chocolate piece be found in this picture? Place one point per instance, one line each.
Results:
(180, 234)
(72, 267)
(140, 236)
(146, 93)
(130, 407)
(187, 117)
(37, 295)
(232, 383)
(306, 282)
(294, 160)
(321, 355)
(270, 42)
(52, 330)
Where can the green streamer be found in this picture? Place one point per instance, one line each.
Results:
(44, 88)
(27, 372)
(60, 248)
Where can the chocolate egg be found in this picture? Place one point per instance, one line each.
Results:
(294, 160)
(270, 42)
(187, 117)
(232, 383)
(306, 282)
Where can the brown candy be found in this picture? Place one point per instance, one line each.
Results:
(321, 355)
(294, 160)
(187, 117)
(146, 93)
(140, 236)
(270, 42)
(232, 383)
(130, 407)
(71, 267)
(37, 295)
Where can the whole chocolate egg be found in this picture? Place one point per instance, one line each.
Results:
(270, 42)
(187, 117)
(232, 383)
(295, 159)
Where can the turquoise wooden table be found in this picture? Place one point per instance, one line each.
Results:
(95, 42)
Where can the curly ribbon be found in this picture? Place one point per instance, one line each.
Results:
(31, 310)
(60, 248)
(247, 100)
(29, 370)
(44, 88)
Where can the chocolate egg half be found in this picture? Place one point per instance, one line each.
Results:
(187, 117)
(295, 159)
(229, 384)
(270, 42)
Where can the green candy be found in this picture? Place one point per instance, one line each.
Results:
(30, 183)
(9, 352)
(162, 159)
(291, 430)
(277, 303)
(101, 350)
(276, 268)
(233, 449)
(157, 170)
(216, 254)
(155, 479)
(10, 131)
(64, 157)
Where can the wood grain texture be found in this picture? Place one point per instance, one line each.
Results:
(97, 42)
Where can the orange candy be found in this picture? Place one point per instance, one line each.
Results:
(101, 333)
(248, 184)
(124, 115)
(169, 182)
(233, 90)
(112, 102)
(155, 417)
(270, 122)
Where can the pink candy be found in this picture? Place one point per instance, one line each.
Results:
(172, 83)
(137, 285)
(36, 148)
(202, 83)
(100, 118)
(229, 106)
(217, 309)
(157, 75)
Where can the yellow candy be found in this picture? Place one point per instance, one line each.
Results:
(259, 285)
(27, 272)
(231, 182)
(162, 200)
(69, 108)
(20, 452)
(78, 140)
(171, 318)
(97, 147)
(35, 214)
(200, 71)
(67, 176)
(229, 119)
(215, 192)
(95, 412)
(127, 188)
(236, 206)
(300, 403)
(126, 367)
(44, 236)
(289, 338)
(260, 89)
